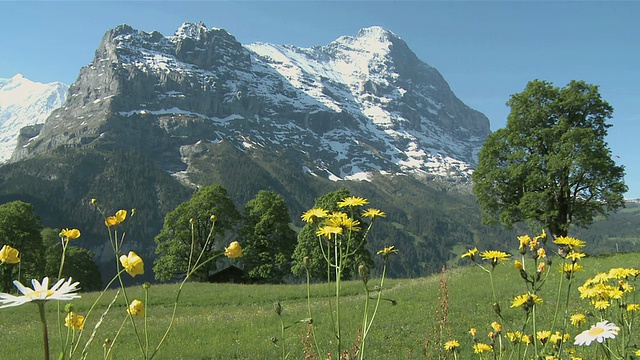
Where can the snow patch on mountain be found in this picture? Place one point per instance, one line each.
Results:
(22, 103)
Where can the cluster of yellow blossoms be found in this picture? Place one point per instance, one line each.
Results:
(606, 287)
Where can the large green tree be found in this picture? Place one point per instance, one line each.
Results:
(174, 241)
(267, 239)
(550, 165)
(20, 228)
(78, 263)
(309, 243)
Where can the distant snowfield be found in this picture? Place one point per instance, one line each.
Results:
(22, 103)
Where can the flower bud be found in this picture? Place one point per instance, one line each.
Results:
(212, 218)
(277, 308)
(68, 308)
(306, 262)
(146, 286)
(363, 271)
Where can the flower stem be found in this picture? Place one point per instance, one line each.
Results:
(45, 334)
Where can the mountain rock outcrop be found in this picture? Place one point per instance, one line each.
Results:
(358, 106)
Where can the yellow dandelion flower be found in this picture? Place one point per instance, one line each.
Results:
(451, 345)
(622, 273)
(527, 299)
(542, 236)
(386, 252)
(577, 319)
(374, 213)
(496, 326)
(542, 252)
(329, 231)
(543, 336)
(533, 244)
(571, 268)
(518, 265)
(575, 256)
(471, 254)
(353, 201)
(526, 339)
(473, 332)
(625, 286)
(571, 243)
(541, 267)
(633, 307)
(524, 241)
(514, 337)
(350, 224)
(601, 304)
(313, 215)
(479, 348)
(494, 255)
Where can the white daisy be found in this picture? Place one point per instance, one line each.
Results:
(62, 290)
(598, 332)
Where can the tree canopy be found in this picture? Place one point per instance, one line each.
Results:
(551, 164)
(267, 239)
(174, 240)
(20, 228)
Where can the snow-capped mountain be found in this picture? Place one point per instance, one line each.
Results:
(24, 103)
(357, 106)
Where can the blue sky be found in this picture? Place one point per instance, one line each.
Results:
(486, 51)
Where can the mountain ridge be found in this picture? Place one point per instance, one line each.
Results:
(202, 81)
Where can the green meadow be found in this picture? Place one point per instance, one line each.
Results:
(231, 321)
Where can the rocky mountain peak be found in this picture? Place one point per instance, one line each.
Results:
(361, 104)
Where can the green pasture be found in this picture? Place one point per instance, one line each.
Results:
(232, 321)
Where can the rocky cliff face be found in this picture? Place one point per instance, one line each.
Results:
(357, 106)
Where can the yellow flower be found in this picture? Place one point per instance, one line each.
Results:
(543, 336)
(526, 339)
(9, 255)
(312, 215)
(494, 255)
(518, 265)
(350, 224)
(386, 252)
(373, 213)
(479, 348)
(328, 231)
(524, 241)
(353, 201)
(542, 267)
(633, 307)
(571, 243)
(577, 319)
(451, 345)
(74, 321)
(514, 337)
(473, 332)
(527, 300)
(136, 308)
(233, 251)
(94, 202)
(496, 326)
(119, 217)
(572, 268)
(601, 304)
(132, 263)
(622, 273)
(69, 234)
(471, 254)
(542, 252)
(575, 256)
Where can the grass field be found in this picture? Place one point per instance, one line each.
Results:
(227, 321)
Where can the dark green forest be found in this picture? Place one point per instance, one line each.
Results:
(430, 223)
